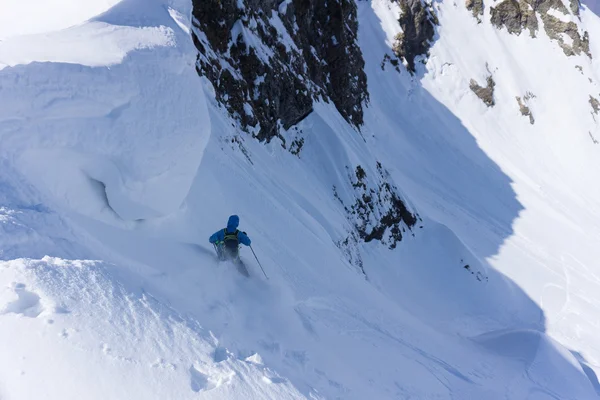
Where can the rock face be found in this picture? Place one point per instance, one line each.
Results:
(418, 21)
(270, 60)
(574, 6)
(555, 28)
(378, 212)
(515, 16)
(518, 15)
(595, 104)
(476, 8)
(523, 108)
(375, 211)
(486, 94)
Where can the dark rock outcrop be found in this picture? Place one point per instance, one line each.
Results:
(270, 60)
(418, 21)
(478, 275)
(486, 94)
(515, 16)
(378, 212)
(391, 60)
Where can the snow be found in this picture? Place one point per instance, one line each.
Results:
(248, 109)
(116, 167)
(283, 6)
(27, 17)
(183, 354)
(284, 35)
(561, 16)
(250, 39)
(181, 20)
(554, 184)
(92, 44)
(74, 103)
(387, 13)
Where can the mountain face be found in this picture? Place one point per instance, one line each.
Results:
(418, 179)
(518, 16)
(270, 60)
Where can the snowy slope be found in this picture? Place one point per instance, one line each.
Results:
(542, 230)
(117, 163)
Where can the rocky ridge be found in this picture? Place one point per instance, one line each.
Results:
(376, 211)
(518, 15)
(417, 20)
(270, 60)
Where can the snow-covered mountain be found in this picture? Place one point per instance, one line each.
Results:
(419, 181)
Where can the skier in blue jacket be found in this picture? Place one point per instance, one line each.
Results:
(227, 241)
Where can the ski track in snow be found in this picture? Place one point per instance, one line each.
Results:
(117, 164)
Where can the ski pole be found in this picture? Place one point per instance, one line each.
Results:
(259, 263)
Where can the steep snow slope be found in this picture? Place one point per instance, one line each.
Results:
(553, 164)
(117, 164)
(543, 235)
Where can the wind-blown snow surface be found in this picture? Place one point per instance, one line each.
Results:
(117, 164)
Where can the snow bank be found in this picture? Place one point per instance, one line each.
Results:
(93, 44)
(129, 137)
(26, 17)
(76, 314)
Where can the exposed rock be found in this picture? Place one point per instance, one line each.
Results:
(574, 5)
(525, 111)
(555, 29)
(515, 16)
(486, 94)
(392, 60)
(296, 146)
(237, 142)
(350, 247)
(478, 275)
(595, 104)
(270, 60)
(476, 8)
(543, 6)
(418, 21)
(594, 140)
(378, 212)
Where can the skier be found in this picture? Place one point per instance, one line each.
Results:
(227, 241)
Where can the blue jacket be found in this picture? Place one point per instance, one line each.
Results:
(232, 225)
